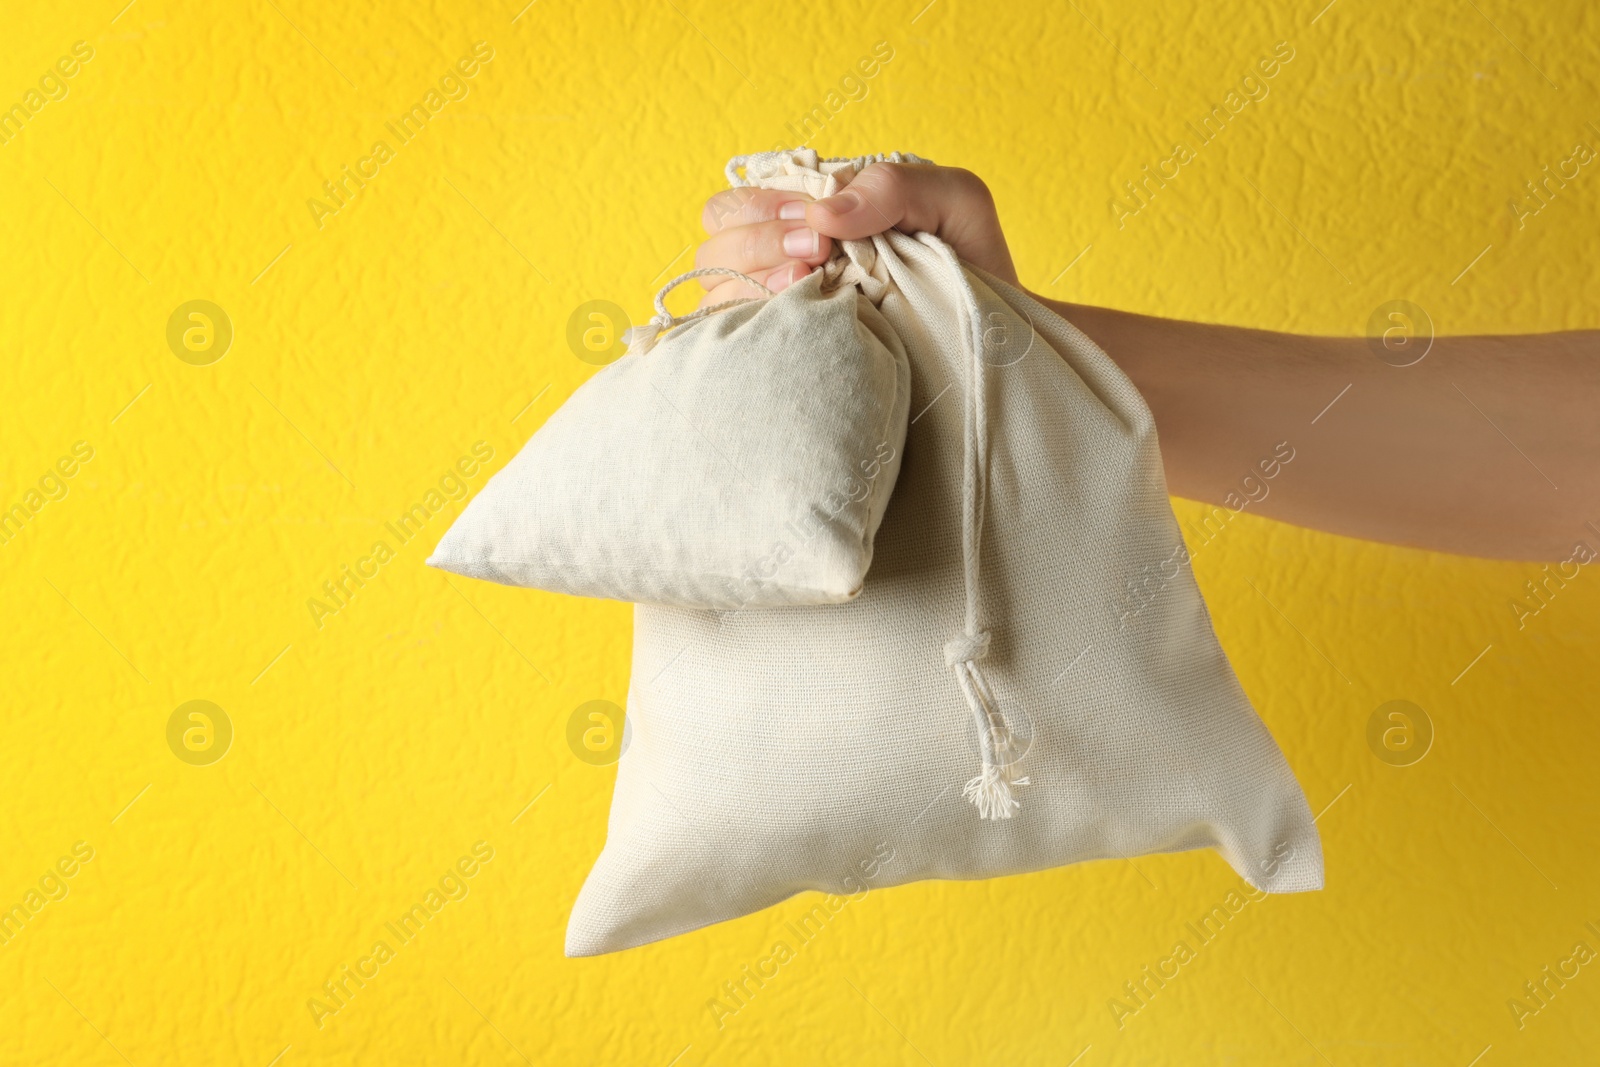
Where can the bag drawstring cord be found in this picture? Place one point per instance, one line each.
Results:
(763, 160)
(991, 790)
(642, 338)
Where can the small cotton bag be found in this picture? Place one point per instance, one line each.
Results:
(1029, 679)
(745, 460)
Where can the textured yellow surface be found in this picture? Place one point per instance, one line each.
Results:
(381, 750)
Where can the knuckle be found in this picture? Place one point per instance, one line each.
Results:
(888, 180)
(763, 205)
(970, 185)
(750, 246)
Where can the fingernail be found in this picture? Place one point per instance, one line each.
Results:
(841, 204)
(794, 209)
(800, 243)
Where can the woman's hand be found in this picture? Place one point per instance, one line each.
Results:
(1460, 453)
(778, 238)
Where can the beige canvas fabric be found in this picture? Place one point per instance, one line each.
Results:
(1047, 693)
(746, 459)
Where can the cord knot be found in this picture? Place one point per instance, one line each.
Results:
(967, 648)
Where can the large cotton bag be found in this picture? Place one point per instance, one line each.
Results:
(1029, 679)
(744, 460)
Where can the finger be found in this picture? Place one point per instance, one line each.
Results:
(951, 203)
(778, 279)
(734, 290)
(761, 246)
(741, 207)
(887, 195)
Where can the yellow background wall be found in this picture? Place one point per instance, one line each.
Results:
(374, 346)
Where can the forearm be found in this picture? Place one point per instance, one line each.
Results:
(1489, 446)
(1461, 452)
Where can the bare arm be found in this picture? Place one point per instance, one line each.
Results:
(1488, 446)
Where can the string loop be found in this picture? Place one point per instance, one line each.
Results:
(992, 791)
(642, 338)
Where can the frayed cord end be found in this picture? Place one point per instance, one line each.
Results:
(991, 793)
(642, 338)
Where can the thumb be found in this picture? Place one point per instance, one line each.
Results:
(950, 203)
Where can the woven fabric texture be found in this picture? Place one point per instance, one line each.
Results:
(746, 459)
(778, 750)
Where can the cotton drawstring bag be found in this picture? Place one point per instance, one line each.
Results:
(745, 460)
(1029, 679)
